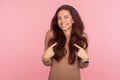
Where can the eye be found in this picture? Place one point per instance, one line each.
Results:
(58, 18)
(66, 17)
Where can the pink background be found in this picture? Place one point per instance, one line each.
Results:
(23, 24)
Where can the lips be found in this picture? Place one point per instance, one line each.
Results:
(64, 25)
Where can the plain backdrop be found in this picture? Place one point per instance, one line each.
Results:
(24, 23)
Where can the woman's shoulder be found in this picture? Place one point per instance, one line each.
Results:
(85, 34)
(49, 33)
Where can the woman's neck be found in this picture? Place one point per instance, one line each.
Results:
(67, 34)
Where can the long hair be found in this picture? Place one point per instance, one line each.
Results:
(59, 37)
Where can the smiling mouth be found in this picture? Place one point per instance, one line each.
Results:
(64, 25)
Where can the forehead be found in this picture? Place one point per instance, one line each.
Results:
(63, 12)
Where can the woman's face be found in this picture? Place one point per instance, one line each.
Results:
(65, 20)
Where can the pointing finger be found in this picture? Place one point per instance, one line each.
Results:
(53, 45)
(77, 46)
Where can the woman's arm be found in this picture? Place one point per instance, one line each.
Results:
(47, 60)
(84, 62)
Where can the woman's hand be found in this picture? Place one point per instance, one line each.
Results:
(49, 52)
(81, 52)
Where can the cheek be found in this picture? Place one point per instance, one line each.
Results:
(71, 22)
(59, 24)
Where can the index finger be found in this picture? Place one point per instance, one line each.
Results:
(77, 46)
(53, 45)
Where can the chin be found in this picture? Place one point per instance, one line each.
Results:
(66, 29)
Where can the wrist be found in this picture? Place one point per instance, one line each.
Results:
(85, 60)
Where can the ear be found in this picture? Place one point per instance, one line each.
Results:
(72, 21)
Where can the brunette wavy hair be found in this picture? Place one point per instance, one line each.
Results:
(59, 37)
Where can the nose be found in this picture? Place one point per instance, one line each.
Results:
(62, 20)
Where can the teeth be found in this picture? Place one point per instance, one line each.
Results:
(63, 24)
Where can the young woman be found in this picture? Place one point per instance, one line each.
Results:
(66, 45)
